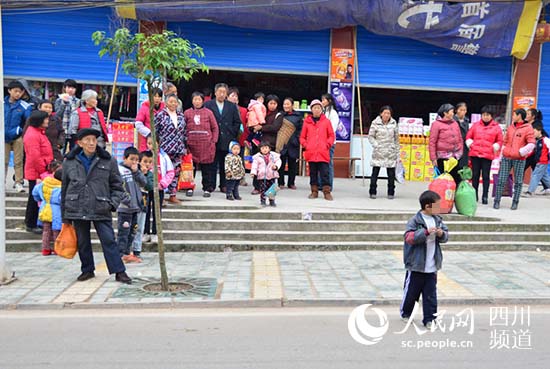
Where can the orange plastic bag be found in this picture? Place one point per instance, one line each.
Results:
(186, 180)
(66, 244)
(444, 185)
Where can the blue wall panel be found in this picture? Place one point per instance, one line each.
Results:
(543, 103)
(394, 62)
(233, 48)
(57, 46)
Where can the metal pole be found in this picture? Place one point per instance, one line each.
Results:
(359, 104)
(5, 272)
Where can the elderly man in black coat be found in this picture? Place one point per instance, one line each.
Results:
(229, 122)
(91, 189)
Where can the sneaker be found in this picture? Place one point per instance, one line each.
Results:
(546, 192)
(292, 187)
(230, 197)
(131, 259)
(238, 198)
(206, 194)
(255, 192)
(123, 278)
(372, 196)
(189, 193)
(146, 238)
(263, 204)
(85, 276)
(272, 203)
(46, 252)
(405, 319)
(391, 197)
(527, 194)
(154, 238)
(429, 325)
(19, 188)
(36, 230)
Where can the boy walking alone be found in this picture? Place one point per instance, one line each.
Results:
(423, 257)
(132, 205)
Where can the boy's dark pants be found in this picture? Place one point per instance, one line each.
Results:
(127, 226)
(417, 283)
(152, 229)
(233, 187)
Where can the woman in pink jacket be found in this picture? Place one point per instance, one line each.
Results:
(143, 122)
(201, 132)
(484, 140)
(445, 140)
(38, 155)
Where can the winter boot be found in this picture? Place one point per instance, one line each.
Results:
(314, 192)
(326, 193)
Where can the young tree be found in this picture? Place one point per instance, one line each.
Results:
(149, 58)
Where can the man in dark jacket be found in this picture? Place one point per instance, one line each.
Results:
(229, 122)
(91, 190)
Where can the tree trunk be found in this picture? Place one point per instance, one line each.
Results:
(113, 91)
(158, 220)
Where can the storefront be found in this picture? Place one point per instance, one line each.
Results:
(46, 48)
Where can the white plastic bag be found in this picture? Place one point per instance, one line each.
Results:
(400, 172)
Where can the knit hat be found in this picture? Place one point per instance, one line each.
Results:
(315, 102)
(233, 143)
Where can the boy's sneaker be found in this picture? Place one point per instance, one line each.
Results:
(131, 259)
(19, 188)
(154, 238)
(206, 194)
(527, 194)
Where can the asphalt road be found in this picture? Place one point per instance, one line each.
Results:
(309, 338)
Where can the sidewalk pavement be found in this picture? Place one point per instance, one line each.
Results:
(276, 279)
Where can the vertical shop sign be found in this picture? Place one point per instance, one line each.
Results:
(341, 88)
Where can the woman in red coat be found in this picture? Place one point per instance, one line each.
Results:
(317, 138)
(38, 154)
(446, 140)
(201, 132)
(484, 140)
(143, 121)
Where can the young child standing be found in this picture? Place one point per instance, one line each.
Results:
(423, 257)
(540, 157)
(265, 166)
(145, 166)
(131, 205)
(16, 113)
(166, 174)
(48, 194)
(234, 171)
(255, 118)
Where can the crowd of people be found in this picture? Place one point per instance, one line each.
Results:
(60, 149)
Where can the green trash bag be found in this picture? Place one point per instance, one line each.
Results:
(465, 196)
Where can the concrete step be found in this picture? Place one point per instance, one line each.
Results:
(251, 212)
(223, 245)
(274, 226)
(304, 236)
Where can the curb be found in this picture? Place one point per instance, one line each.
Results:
(271, 303)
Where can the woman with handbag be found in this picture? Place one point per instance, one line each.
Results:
(384, 138)
(170, 128)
